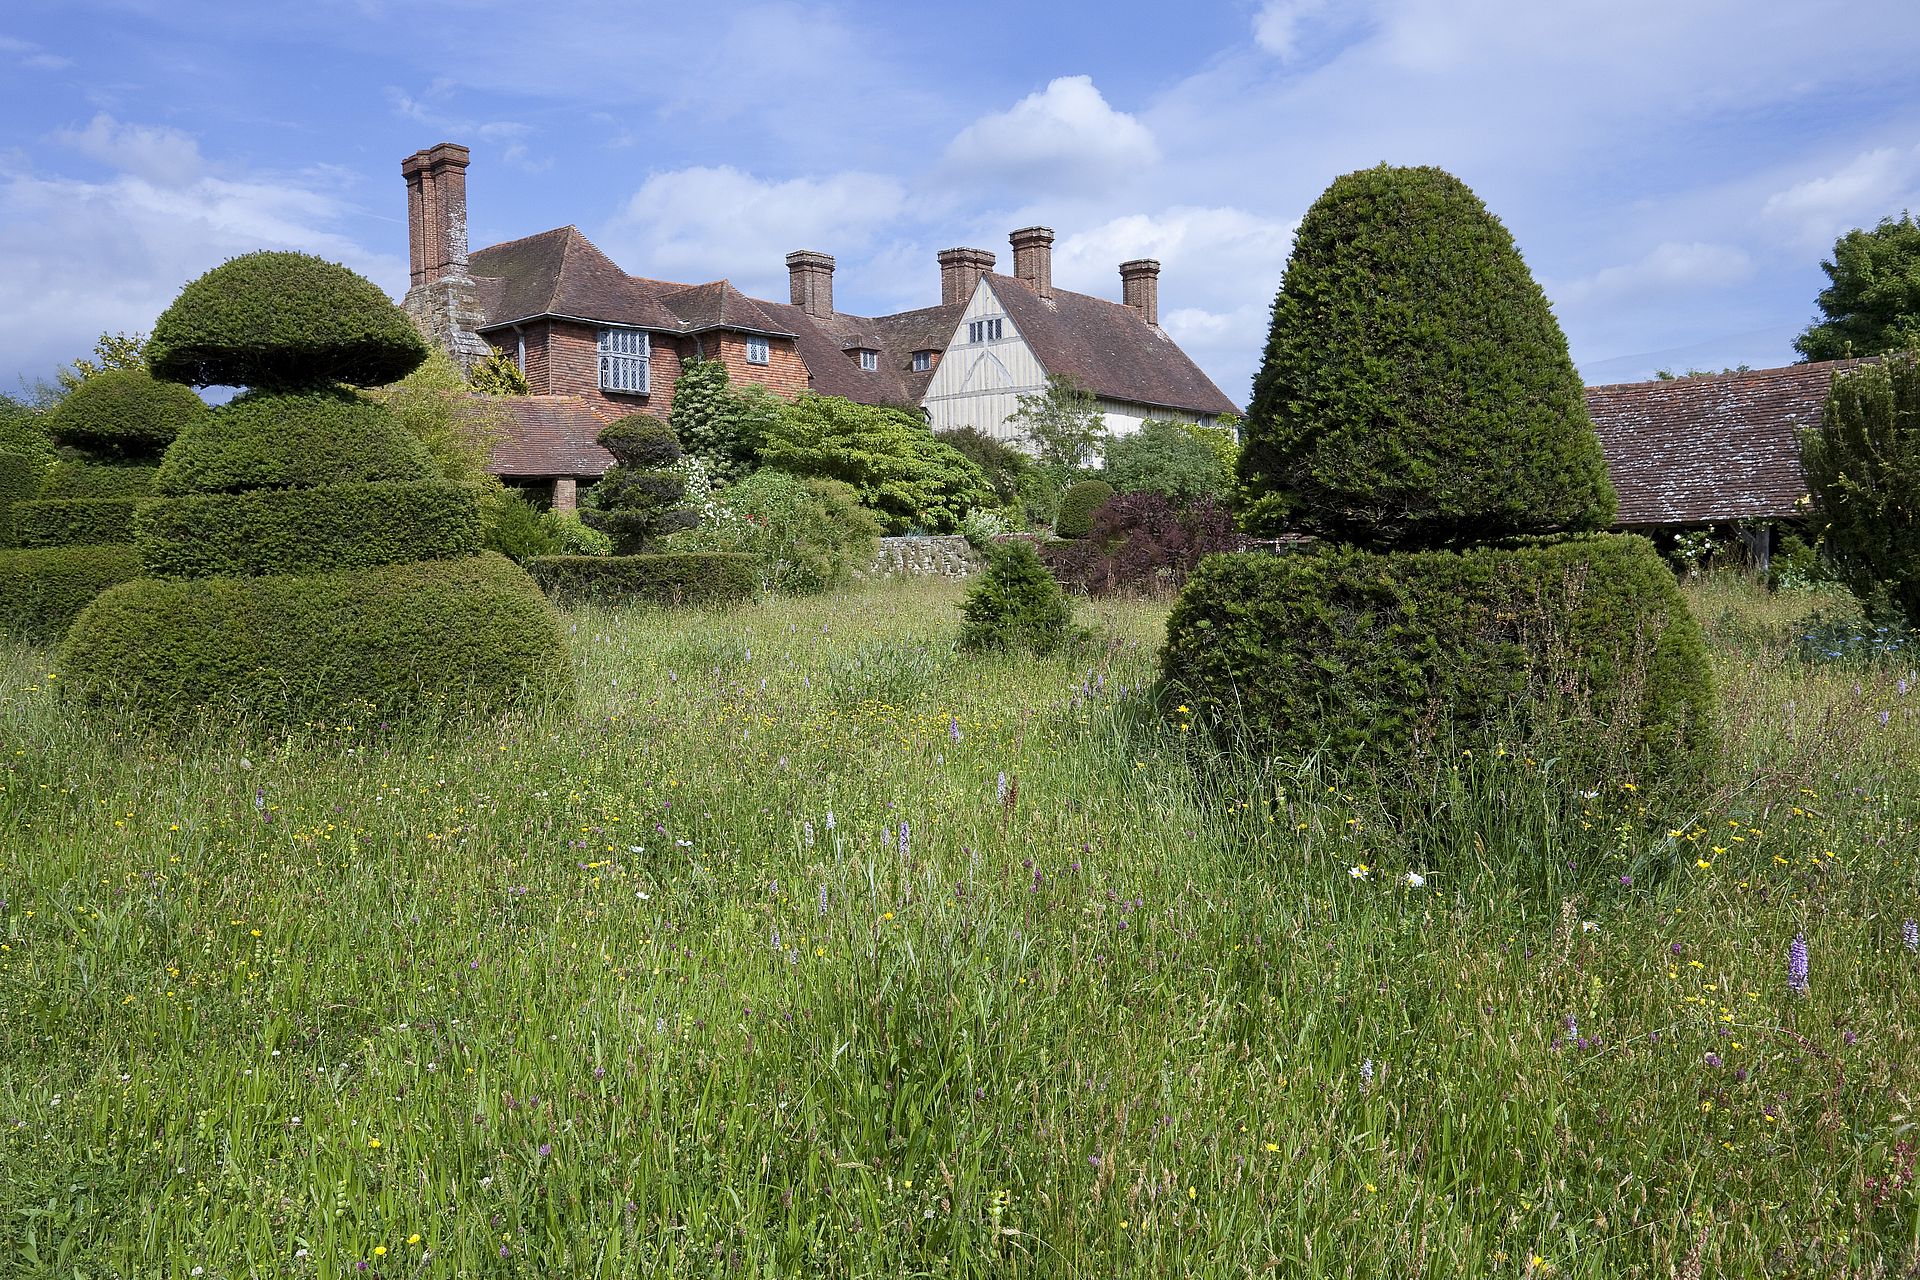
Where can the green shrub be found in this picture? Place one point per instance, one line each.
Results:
(1863, 468)
(417, 642)
(23, 429)
(900, 471)
(283, 320)
(279, 531)
(125, 413)
(43, 590)
(1581, 650)
(1077, 506)
(74, 522)
(21, 475)
(1416, 389)
(1014, 603)
(807, 535)
(640, 440)
(1168, 459)
(75, 478)
(1001, 463)
(498, 375)
(514, 527)
(687, 579)
(457, 427)
(720, 426)
(573, 538)
(276, 440)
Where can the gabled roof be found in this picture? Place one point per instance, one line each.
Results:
(721, 306)
(905, 332)
(562, 273)
(1709, 449)
(549, 436)
(824, 343)
(1107, 348)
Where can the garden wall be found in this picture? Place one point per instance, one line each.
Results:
(946, 556)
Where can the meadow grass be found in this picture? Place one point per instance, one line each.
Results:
(804, 945)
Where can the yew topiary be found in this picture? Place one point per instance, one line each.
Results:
(294, 439)
(1015, 604)
(124, 413)
(1077, 507)
(1416, 390)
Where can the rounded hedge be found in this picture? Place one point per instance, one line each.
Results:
(77, 478)
(422, 642)
(640, 440)
(1077, 506)
(1581, 649)
(275, 531)
(1416, 390)
(124, 412)
(305, 439)
(689, 579)
(74, 522)
(283, 320)
(43, 590)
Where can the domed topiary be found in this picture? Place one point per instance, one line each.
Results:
(1077, 506)
(308, 559)
(124, 413)
(283, 320)
(1416, 389)
(640, 440)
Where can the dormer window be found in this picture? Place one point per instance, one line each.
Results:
(625, 361)
(922, 361)
(983, 330)
(757, 351)
(868, 360)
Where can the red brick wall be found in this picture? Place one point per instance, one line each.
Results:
(564, 360)
(784, 373)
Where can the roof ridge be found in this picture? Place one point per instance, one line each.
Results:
(1730, 375)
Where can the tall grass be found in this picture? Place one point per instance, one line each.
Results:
(807, 946)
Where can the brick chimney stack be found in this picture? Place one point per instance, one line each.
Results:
(960, 271)
(810, 281)
(1033, 259)
(1140, 287)
(436, 211)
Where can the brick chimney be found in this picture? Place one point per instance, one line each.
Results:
(1140, 288)
(960, 271)
(441, 299)
(810, 279)
(1033, 259)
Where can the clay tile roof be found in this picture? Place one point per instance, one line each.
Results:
(549, 436)
(902, 334)
(720, 306)
(1108, 348)
(562, 273)
(824, 341)
(1701, 450)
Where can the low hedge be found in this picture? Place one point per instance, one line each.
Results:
(75, 478)
(322, 435)
(20, 480)
(42, 590)
(1580, 649)
(419, 642)
(125, 412)
(271, 531)
(74, 522)
(690, 578)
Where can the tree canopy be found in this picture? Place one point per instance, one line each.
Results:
(1871, 305)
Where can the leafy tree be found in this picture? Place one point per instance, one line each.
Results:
(1416, 389)
(889, 457)
(434, 404)
(716, 424)
(498, 375)
(1863, 467)
(1872, 304)
(1222, 437)
(1168, 459)
(1003, 465)
(112, 351)
(808, 535)
(1063, 423)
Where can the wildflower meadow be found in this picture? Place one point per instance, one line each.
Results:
(806, 944)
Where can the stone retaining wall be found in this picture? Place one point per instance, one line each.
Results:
(931, 557)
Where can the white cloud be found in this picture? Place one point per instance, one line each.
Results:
(1871, 186)
(704, 223)
(1064, 138)
(510, 136)
(30, 56)
(1666, 270)
(1277, 25)
(161, 155)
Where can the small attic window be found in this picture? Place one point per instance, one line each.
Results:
(756, 351)
(868, 360)
(922, 361)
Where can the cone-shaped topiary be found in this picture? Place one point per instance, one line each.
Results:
(1416, 389)
(308, 559)
(283, 320)
(1015, 604)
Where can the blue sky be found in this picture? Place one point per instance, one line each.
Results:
(1674, 170)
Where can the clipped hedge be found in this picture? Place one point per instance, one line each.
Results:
(1584, 646)
(21, 475)
(640, 440)
(74, 522)
(271, 531)
(76, 478)
(690, 579)
(126, 412)
(276, 440)
(1077, 506)
(44, 589)
(418, 642)
(282, 320)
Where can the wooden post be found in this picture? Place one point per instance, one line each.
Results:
(565, 494)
